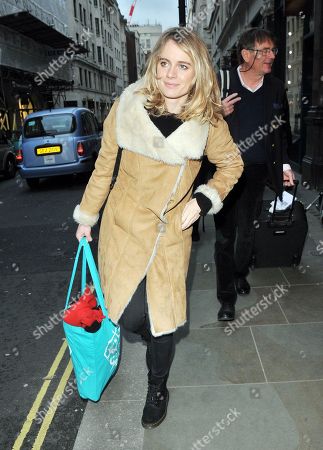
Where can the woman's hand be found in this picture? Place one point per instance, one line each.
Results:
(190, 214)
(83, 230)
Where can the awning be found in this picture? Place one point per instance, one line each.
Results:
(27, 24)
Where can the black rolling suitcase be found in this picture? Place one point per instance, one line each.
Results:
(280, 236)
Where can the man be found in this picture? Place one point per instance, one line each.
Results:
(256, 110)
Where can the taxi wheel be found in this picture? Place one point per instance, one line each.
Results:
(10, 168)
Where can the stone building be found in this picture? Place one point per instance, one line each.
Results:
(33, 35)
(62, 53)
(148, 35)
(97, 74)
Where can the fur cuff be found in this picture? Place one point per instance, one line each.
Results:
(84, 218)
(211, 194)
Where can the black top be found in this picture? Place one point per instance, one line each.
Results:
(249, 135)
(167, 124)
(278, 141)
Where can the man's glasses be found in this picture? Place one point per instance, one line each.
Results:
(264, 51)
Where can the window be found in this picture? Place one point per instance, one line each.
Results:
(75, 9)
(96, 3)
(80, 8)
(49, 125)
(99, 55)
(88, 124)
(90, 79)
(81, 76)
(85, 77)
(93, 52)
(84, 16)
(97, 27)
(147, 43)
(77, 38)
(91, 22)
(96, 124)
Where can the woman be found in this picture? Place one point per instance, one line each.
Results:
(164, 123)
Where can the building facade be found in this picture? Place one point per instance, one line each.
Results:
(294, 62)
(32, 33)
(63, 53)
(299, 63)
(97, 74)
(136, 56)
(148, 35)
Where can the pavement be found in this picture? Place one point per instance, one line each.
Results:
(254, 385)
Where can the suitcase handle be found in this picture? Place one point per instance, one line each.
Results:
(289, 219)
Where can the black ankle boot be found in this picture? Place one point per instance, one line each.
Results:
(155, 408)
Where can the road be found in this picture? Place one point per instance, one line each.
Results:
(37, 246)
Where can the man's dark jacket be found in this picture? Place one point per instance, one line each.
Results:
(278, 141)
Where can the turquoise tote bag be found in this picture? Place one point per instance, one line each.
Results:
(95, 355)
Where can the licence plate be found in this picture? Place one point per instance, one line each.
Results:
(40, 151)
(49, 159)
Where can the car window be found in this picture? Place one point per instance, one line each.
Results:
(88, 123)
(97, 126)
(51, 124)
(94, 123)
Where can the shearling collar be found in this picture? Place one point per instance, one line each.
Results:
(137, 133)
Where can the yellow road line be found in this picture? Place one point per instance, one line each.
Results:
(52, 408)
(35, 407)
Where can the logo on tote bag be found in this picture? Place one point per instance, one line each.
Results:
(112, 349)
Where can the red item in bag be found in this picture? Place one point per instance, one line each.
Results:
(84, 312)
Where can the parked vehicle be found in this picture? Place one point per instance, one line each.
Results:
(7, 157)
(58, 142)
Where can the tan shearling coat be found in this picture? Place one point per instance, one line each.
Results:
(141, 232)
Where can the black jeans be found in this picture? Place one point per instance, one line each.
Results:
(135, 318)
(235, 230)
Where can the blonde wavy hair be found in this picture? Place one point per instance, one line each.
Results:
(203, 101)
